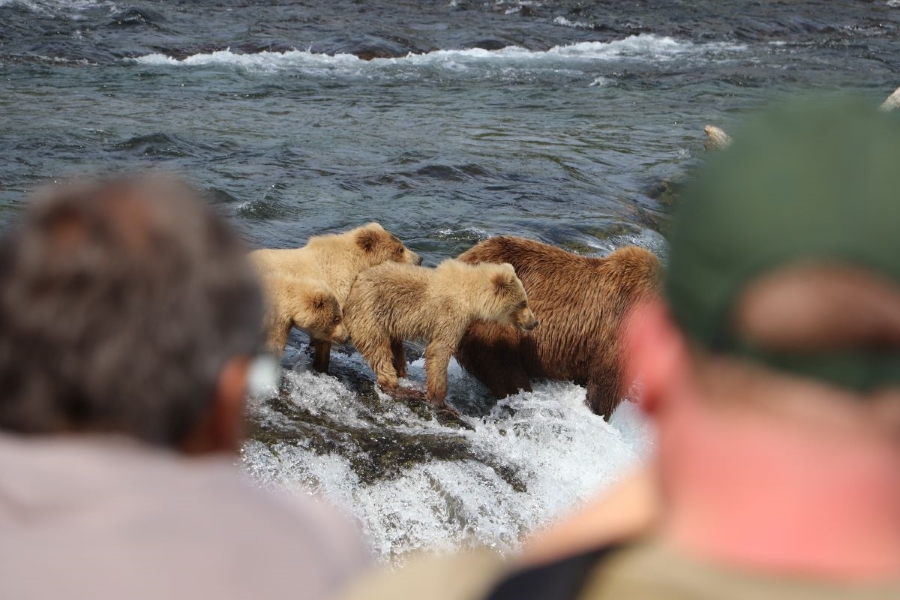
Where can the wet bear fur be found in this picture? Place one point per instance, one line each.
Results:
(336, 260)
(580, 303)
(393, 302)
(303, 303)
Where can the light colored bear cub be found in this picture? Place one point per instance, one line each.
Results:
(303, 303)
(336, 260)
(392, 302)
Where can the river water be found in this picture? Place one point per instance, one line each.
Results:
(448, 121)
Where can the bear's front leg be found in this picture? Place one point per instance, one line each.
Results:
(399, 358)
(321, 354)
(437, 359)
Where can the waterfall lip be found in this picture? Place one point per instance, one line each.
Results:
(416, 484)
(645, 47)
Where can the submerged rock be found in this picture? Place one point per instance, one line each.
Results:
(375, 450)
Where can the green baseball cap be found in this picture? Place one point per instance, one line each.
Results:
(806, 182)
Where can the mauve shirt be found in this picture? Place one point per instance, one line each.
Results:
(108, 518)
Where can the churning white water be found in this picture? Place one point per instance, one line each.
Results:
(638, 47)
(523, 462)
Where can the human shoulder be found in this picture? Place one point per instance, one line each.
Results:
(650, 570)
(465, 576)
(298, 517)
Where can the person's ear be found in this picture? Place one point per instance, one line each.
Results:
(222, 429)
(654, 354)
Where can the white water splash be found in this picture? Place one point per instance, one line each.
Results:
(562, 452)
(640, 47)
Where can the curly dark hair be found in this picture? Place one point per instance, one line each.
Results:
(121, 300)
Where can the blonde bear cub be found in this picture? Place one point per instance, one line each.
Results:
(392, 302)
(303, 303)
(335, 260)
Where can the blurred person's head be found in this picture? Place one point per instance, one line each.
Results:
(126, 306)
(772, 366)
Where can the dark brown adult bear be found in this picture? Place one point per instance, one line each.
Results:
(579, 302)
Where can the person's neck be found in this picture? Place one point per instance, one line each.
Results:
(756, 494)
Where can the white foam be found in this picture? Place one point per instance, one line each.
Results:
(64, 61)
(562, 452)
(560, 20)
(60, 8)
(463, 233)
(262, 61)
(515, 7)
(639, 47)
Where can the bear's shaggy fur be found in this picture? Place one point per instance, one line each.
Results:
(392, 303)
(580, 303)
(304, 303)
(336, 260)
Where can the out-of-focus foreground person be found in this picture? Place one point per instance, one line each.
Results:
(771, 370)
(129, 324)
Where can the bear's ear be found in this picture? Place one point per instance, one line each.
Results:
(367, 239)
(503, 283)
(318, 301)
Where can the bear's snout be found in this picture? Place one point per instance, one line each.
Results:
(526, 320)
(417, 260)
(340, 335)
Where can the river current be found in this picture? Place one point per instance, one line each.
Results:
(447, 121)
